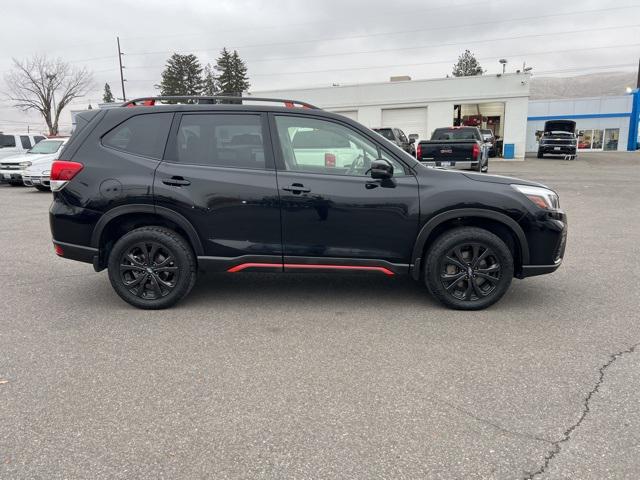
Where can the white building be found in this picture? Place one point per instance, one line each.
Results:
(498, 102)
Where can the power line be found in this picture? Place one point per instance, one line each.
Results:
(420, 30)
(417, 47)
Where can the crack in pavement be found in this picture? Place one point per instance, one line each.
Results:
(585, 411)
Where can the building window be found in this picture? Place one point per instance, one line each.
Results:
(611, 137)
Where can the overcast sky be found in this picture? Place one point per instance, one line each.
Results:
(296, 43)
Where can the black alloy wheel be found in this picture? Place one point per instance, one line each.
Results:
(149, 270)
(470, 271)
(468, 268)
(152, 267)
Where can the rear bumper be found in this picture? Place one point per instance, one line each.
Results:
(34, 180)
(75, 252)
(464, 165)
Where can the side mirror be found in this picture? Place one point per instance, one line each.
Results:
(381, 168)
(413, 138)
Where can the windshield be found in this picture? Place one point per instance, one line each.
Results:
(46, 146)
(386, 133)
(7, 141)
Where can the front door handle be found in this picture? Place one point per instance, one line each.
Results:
(176, 182)
(296, 188)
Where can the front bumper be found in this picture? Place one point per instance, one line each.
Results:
(36, 180)
(547, 244)
(12, 176)
(557, 149)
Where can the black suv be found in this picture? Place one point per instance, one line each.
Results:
(157, 192)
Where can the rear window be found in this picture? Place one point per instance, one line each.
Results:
(221, 140)
(7, 141)
(454, 134)
(144, 135)
(26, 142)
(386, 133)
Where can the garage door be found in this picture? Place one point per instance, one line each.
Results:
(409, 120)
(352, 114)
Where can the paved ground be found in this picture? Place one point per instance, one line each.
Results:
(264, 376)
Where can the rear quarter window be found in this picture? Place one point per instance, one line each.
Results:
(144, 135)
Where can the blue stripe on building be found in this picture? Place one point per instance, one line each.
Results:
(577, 116)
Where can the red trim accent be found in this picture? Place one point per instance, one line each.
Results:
(243, 266)
(288, 104)
(310, 266)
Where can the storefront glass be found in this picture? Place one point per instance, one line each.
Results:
(611, 137)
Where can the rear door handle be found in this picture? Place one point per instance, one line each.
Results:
(296, 188)
(176, 181)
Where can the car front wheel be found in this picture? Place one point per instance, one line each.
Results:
(152, 268)
(468, 268)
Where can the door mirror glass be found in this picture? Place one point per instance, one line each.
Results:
(381, 168)
(413, 138)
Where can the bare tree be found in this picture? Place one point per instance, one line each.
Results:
(46, 86)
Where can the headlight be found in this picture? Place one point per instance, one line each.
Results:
(24, 164)
(542, 197)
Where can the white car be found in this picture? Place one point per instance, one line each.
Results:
(33, 168)
(12, 144)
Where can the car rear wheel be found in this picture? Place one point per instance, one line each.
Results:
(152, 268)
(468, 268)
(42, 188)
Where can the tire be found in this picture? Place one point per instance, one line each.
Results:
(442, 260)
(42, 188)
(155, 283)
(16, 184)
(540, 155)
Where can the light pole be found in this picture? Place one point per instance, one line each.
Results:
(504, 62)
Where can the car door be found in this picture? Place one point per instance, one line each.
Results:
(338, 211)
(219, 174)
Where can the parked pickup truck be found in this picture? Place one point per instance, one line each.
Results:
(455, 147)
(558, 138)
(397, 136)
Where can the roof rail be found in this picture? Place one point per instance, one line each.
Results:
(208, 100)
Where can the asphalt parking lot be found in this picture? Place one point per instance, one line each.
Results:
(325, 376)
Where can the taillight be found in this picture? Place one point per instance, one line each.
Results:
(419, 152)
(476, 151)
(58, 250)
(61, 172)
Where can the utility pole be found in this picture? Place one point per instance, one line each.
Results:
(638, 82)
(124, 98)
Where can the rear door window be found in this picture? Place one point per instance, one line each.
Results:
(144, 135)
(7, 141)
(26, 142)
(221, 140)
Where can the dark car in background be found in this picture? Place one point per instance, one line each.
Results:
(155, 194)
(397, 136)
(558, 138)
(455, 147)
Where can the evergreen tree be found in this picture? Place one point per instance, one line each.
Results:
(181, 76)
(210, 83)
(232, 78)
(108, 97)
(467, 65)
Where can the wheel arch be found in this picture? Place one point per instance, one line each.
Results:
(117, 221)
(498, 223)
